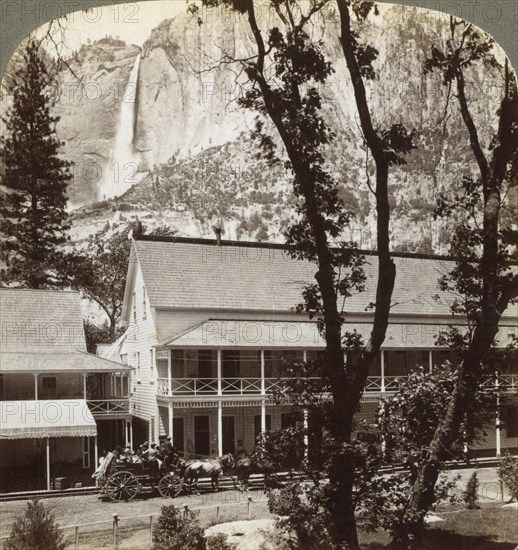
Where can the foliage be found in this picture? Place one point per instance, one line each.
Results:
(99, 334)
(407, 422)
(34, 181)
(180, 530)
(98, 268)
(219, 541)
(508, 473)
(409, 418)
(176, 530)
(35, 530)
(482, 277)
(470, 495)
(285, 76)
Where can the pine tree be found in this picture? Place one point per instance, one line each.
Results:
(35, 530)
(34, 181)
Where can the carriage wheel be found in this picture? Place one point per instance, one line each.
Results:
(170, 486)
(122, 486)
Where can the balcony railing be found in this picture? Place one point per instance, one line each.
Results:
(252, 386)
(100, 407)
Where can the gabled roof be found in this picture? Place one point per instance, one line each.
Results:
(42, 321)
(42, 331)
(197, 274)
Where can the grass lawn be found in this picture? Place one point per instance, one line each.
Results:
(489, 528)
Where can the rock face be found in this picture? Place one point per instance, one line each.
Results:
(190, 157)
(89, 109)
(183, 106)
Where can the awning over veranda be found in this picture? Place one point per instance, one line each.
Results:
(42, 419)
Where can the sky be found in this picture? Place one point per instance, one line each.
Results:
(131, 22)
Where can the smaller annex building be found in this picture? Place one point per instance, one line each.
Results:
(210, 322)
(59, 405)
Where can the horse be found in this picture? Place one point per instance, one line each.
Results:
(208, 467)
(242, 472)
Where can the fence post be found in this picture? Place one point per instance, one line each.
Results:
(249, 505)
(502, 490)
(185, 510)
(217, 514)
(151, 528)
(115, 531)
(76, 541)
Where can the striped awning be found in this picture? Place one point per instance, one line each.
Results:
(41, 419)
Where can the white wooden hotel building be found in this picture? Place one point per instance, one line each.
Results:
(209, 323)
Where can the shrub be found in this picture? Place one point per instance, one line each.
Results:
(470, 495)
(219, 541)
(508, 473)
(176, 531)
(35, 530)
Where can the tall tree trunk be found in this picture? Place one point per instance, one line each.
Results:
(346, 386)
(494, 300)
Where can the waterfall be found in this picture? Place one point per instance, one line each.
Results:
(121, 172)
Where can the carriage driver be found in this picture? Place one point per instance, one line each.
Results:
(171, 455)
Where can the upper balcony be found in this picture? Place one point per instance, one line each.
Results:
(202, 373)
(107, 394)
(254, 387)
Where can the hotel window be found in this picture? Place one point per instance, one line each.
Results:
(151, 364)
(144, 305)
(134, 307)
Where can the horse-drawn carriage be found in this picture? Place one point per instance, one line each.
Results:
(121, 479)
(124, 480)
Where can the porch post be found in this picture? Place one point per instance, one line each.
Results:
(35, 374)
(170, 419)
(497, 423)
(169, 373)
(219, 372)
(430, 361)
(48, 464)
(96, 453)
(382, 369)
(263, 416)
(263, 382)
(131, 433)
(84, 385)
(220, 428)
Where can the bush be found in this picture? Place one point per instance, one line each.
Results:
(470, 495)
(508, 473)
(176, 531)
(219, 541)
(35, 530)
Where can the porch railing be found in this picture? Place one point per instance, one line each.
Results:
(253, 386)
(99, 407)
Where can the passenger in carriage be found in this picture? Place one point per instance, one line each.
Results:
(128, 453)
(151, 454)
